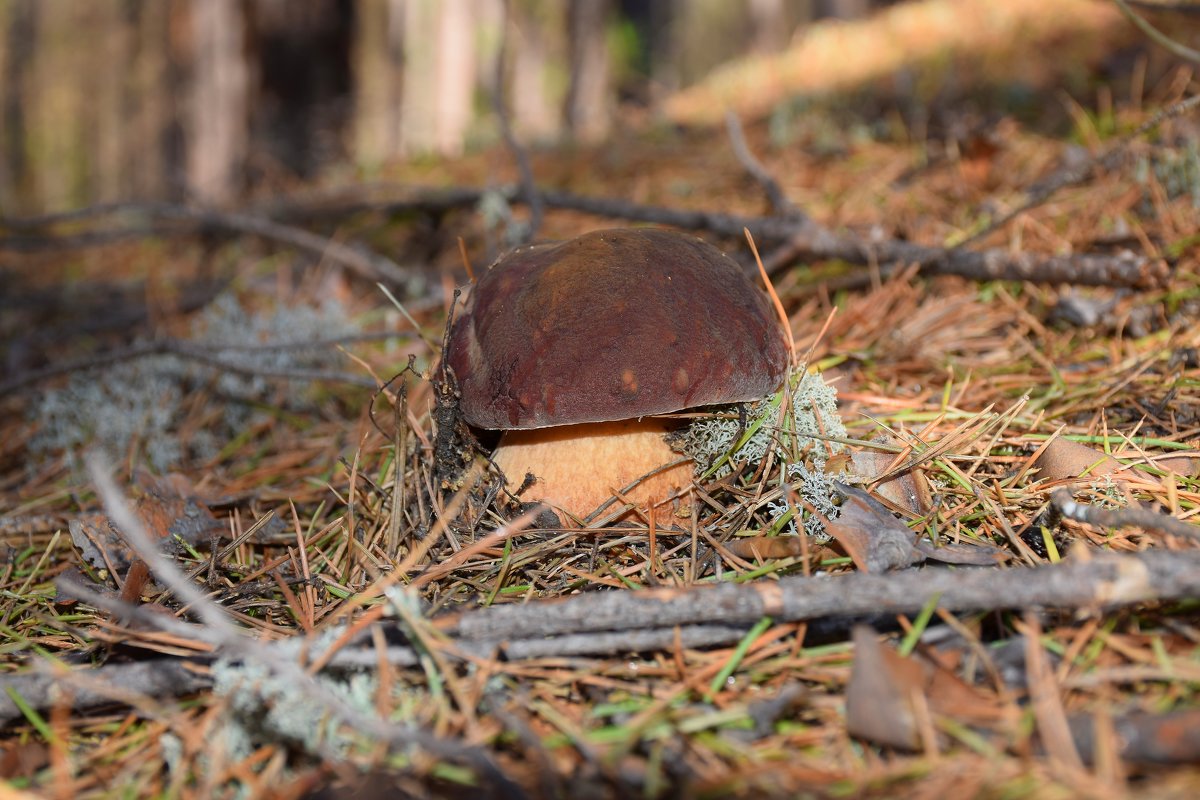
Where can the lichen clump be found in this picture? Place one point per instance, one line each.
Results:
(144, 403)
(802, 442)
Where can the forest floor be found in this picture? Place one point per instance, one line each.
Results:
(320, 615)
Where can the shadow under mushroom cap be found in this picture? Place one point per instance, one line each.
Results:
(612, 325)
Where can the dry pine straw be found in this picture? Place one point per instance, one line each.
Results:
(921, 357)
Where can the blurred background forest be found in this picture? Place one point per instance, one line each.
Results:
(205, 100)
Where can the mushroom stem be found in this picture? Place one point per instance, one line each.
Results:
(578, 467)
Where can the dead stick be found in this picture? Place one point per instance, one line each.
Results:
(209, 355)
(780, 204)
(1065, 503)
(804, 238)
(1105, 580)
(621, 622)
(369, 265)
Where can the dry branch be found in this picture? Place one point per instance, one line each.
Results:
(1104, 580)
(231, 643)
(182, 219)
(780, 204)
(803, 237)
(1041, 192)
(617, 623)
(111, 683)
(1065, 504)
(209, 355)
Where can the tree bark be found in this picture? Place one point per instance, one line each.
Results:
(217, 124)
(588, 111)
(16, 182)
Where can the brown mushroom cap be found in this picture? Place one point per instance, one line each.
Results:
(612, 325)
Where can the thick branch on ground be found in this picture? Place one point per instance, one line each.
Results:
(1085, 269)
(617, 623)
(803, 238)
(1105, 580)
(113, 683)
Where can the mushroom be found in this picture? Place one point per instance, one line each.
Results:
(571, 347)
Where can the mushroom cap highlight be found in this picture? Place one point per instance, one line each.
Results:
(612, 325)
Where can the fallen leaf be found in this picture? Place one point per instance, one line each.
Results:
(1064, 459)
(874, 539)
(168, 508)
(980, 554)
(908, 490)
(22, 759)
(760, 548)
(885, 686)
(879, 696)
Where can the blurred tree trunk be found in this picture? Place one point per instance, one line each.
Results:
(658, 46)
(536, 41)
(589, 97)
(769, 31)
(147, 104)
(217, 125)
(378, 80)
(109, 99)
(16, 177)
(843, 9)
(107, 64)
(439, 75)
(302, 84)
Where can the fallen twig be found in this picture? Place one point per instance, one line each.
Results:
(803, 238)
(1066, 505)
(211, 355)
(780, 204)
(1105, 580)
(617, 623)
(231, 643)
(164, 677)
(1044, 190)
(367, 264)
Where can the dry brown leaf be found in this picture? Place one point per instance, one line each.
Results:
(168, 507)
(874, 539)
(1064, 459)
(879, 696)
(884, 686)
(908, 490)
(22, 759)
(760, 548)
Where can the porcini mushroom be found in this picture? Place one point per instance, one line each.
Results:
(571, 347)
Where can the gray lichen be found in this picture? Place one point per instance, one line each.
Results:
(265, 708)
(142, 403)
(802, 440)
